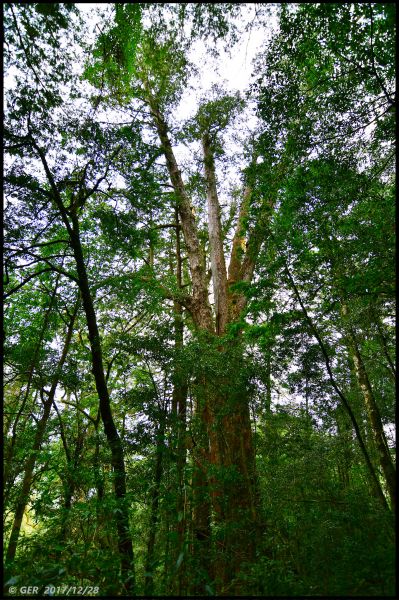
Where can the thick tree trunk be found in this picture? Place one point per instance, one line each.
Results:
(181, 399)
(233, 491)
(201, 520)
(30, 463)
(233, 486)
(202, 317)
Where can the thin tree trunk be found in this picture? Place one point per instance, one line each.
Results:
(374, 417)
(268, 407)
(118, 464)
(97, 465)
(372, 411)
(149, 563)
(234, 487)
(390, 364)
(376, 486)
(69, 477)
(71, 223)
(30, 463)
(11, 444)
(179, 410)
(345, 442)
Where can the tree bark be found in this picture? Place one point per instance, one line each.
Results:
(179, 410)
(202, 533)
(233, 485)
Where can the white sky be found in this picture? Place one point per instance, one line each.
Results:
(235, 69)
(232, 70)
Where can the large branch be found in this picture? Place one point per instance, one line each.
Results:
(201, 309)
(15, 289)
(242, 266)
(238, 246)
(219, 275)
(244, 270)
(244, 252)
(56, 194)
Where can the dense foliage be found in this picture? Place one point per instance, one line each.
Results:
(199, 299)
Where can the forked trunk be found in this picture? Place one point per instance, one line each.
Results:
(224, 464)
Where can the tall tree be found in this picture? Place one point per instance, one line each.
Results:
(226, 404)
